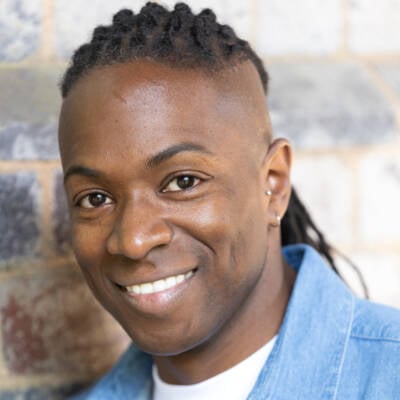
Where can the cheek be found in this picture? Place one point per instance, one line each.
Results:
(235, 221)
(88, 242)
(213, 220)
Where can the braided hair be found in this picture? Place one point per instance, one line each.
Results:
(181, 39)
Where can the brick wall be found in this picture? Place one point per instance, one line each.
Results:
(335, 92)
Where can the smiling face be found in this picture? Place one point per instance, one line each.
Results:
(165, 174)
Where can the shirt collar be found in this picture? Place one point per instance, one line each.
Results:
(307, 358)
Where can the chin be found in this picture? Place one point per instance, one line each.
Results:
(164, 345)
(168, 348)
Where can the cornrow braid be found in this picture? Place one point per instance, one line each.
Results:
(181, 39)
(177, 38)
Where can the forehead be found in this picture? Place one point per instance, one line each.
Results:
(157, 104)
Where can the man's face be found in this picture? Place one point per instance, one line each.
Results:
(166, 197)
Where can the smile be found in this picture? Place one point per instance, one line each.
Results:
(159, 285)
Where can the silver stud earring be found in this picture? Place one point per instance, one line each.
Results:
(278, 219)
(268, 192)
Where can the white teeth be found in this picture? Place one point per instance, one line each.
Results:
(135, 289)
(146, 288)
(160, 285)
(170, 282)
(188, 274)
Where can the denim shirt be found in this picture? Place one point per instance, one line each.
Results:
(331, 345)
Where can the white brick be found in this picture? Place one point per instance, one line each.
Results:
(237, 14)
(325, 186)
(75, 22)
(374, 26)
(306, 27)
(381, 272)
(380, 198)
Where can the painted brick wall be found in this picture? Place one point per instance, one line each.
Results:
(335, 92)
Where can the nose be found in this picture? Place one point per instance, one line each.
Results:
(138, 229)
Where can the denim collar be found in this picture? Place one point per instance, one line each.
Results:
(308, 355)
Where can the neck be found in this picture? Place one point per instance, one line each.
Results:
(256, 322)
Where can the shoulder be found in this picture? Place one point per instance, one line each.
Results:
(374, 321)
(129, 378)
(374, 339)
(369, 367)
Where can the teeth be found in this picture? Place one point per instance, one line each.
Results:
(188, 274)
(160, 285)
(170, 282)
(146, 288)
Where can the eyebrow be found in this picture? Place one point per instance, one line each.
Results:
(81, 170)
(170, 152)
(152, 162)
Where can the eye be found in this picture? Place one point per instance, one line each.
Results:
(181, 183)
(94, 200)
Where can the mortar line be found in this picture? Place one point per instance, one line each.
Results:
(356, 198)
(47, 46)
(254, 22)
(343, 46)
(389, 149)
(3, 368)
(333, 57)
(12, 381)
(387, 91)
(46, 207)
(21, 165)
(34, 63)
(36, 267)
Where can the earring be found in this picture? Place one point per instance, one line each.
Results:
(268, 192)
(278, 220)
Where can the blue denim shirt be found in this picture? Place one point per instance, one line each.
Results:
(331, 345)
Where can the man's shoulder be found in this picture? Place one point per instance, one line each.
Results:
(375, 322)
(129, 378)
(369, 364)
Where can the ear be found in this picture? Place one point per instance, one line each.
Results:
(275, 175)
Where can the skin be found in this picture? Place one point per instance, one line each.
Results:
(130, 135)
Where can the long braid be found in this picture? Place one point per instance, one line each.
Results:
(182, 39)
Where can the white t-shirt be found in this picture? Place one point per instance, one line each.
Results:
(233, 384)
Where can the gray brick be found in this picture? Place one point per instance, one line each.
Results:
(374, 26)
(19, 28)
(328, 105)
(18, 215)
(391, 74)
(293, 27)
(40, 393)
(29, 106)
(61, 225)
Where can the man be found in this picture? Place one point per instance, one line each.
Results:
(177, 191)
